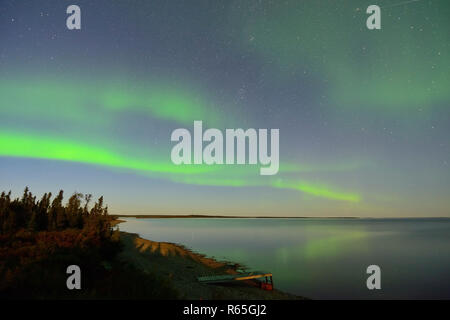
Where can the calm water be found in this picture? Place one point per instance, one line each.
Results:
(323, 258)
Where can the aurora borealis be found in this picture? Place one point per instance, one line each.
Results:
(364, 115)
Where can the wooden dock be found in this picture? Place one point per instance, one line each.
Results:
(240, 277)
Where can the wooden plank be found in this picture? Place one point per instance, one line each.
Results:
(216, 278)
(233, 277)
(255, 276)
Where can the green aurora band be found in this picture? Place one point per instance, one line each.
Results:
(101, 104)
(382, 77)
(29, 146)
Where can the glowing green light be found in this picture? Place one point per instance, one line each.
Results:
(316, 190)
(28, 146)
(333, 245)
(19, 145)
(102, 103)
(396, 69)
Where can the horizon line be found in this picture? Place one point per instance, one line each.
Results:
(168, 216)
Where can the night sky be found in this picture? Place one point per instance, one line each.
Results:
(364, 115)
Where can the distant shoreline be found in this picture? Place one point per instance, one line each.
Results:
(159, 216)
(193, 216)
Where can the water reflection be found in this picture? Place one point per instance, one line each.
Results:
(322, 258)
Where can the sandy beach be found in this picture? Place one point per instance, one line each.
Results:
(182, 266)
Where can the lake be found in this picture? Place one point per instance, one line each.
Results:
(322, 258)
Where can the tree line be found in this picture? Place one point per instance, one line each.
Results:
(39, 238)
(49, 214)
